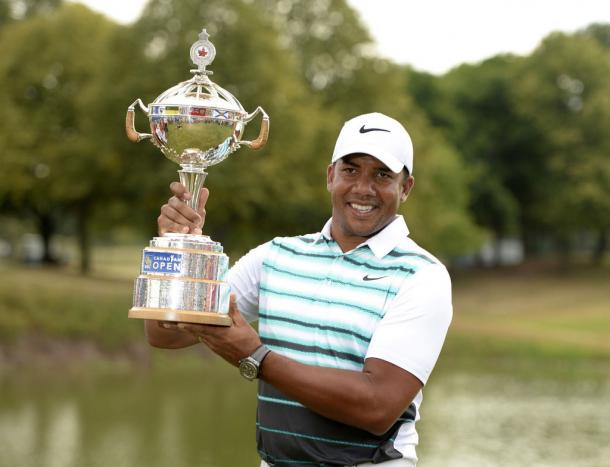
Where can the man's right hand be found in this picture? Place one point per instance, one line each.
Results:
(177, 217)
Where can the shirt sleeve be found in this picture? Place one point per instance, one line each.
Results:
(244, 278)
(412, 332)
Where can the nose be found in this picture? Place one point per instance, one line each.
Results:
(364, 185)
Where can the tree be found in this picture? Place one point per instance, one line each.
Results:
(326, 36)
(496, 145)
(598, 31)
(527, 126)
(76, 165)
(12, 10)
(564, 92)
(56, 160)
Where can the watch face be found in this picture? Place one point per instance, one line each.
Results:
(248, 369)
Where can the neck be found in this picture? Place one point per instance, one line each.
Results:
(347, 242)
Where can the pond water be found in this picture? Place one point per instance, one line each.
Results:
(197, 411)
(485, 419)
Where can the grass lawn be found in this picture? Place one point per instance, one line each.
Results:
(551, 309)
(517, 311)
(59, 303)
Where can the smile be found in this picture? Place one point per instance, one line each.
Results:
(361, 208)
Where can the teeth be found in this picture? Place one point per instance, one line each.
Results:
(361, 207)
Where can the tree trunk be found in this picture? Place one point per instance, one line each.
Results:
(46, 229)
(84, 240)
(600, 247)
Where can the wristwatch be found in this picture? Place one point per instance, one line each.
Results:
(249, 367)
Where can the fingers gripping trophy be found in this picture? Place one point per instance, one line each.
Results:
(195, 124)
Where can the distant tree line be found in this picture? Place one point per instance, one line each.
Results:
(513, 146)
(535, 131)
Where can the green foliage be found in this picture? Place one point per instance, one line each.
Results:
(437, 211)
(56, 159)
(47, 108)
(480, 121)
(326, 36)
(5, 12)
(11, 10)
(533, 133)
(278, 56)
(564, 93)
(598, 31)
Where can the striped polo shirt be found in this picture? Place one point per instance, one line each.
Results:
(320, 306)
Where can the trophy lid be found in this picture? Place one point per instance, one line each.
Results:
(200, 91)
(197, 123)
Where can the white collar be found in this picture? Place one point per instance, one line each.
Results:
(382, 242)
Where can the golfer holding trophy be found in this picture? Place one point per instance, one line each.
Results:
(351, 319)
(195, 124)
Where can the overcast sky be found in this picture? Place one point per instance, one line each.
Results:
(436, 35)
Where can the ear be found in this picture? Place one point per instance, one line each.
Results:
(407, 186)
(330, 173)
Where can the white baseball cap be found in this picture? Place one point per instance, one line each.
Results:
(379, 136)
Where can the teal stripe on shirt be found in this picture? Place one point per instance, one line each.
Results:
(316, 438)
(321, 300)
(275, 400)
(282, 318)
(334, 331)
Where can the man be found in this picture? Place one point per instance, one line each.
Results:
(351, 319)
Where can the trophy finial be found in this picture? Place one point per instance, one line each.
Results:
(203, 52)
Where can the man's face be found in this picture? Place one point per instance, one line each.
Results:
(365, 196)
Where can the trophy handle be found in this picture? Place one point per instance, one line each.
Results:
(130, 128)
(264, 132)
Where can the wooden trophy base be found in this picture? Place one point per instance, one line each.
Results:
(197, 317)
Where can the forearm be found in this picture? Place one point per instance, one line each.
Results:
(371, 399)
(356, 398)
(167, 338)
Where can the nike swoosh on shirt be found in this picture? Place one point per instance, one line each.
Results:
(366, 130)
(367, 278)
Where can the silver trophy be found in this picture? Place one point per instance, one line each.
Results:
(196, 124)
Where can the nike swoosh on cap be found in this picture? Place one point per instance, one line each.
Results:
(366, 130)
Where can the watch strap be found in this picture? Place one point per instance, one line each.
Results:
(260, 353)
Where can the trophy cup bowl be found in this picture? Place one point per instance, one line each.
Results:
(195, 124)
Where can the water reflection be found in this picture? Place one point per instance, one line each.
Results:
(18, 427)
(506, 420)
(195, 415)
(201, 413)
(62, 437)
